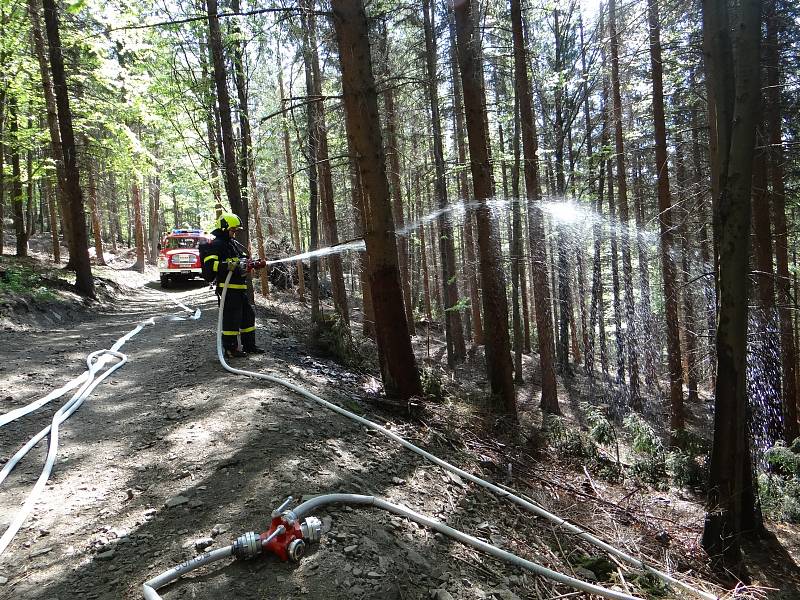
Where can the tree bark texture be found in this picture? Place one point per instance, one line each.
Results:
(393, 156)
(230, 166)
(50, 104)
(780, 231)
(469, 237)
(138, 227)
(17, 198)
(79, 252)
(622, 197)
(541, 287)
(732, 64)
(495, 303)
(666, 224)
(91, 182)
(454, 331)
(324, 175)
(313, 177)
(398, 365)
(287, 150)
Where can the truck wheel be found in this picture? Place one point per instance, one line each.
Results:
(164, 281)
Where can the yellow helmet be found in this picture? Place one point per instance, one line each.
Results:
(227, 221)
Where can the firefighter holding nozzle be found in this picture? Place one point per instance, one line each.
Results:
(221, 256)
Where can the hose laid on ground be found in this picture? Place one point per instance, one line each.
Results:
(150, 587)
(87, 381)
(529, 506)
(306, 508)
(356, 499)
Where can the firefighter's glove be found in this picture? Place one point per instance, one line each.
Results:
(233, 265)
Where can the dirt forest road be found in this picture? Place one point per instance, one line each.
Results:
(171, 454)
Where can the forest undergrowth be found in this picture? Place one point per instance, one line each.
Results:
(612, 472)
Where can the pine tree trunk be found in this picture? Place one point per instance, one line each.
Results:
(597, 310)
(231, 172)
(247, 167)
(325, 180)
(210, 112)
(263, 274)
(733, 70)
(53, 214)
(2, 161)
(393, 155)
(154, 191)
(73, 197)
(426, 286)
(689, 353)
(111, 211)
(646, 340)
(398, 365)
(701, 189)
(359, 225)
(778, 200)
(30, 219)
(469, 237)
(287, 150)
(175, 212)
(615, 288)
(665, 219)
(766, 316)
(541, 287)
(517, 278)
(52, 117)
(95, 213)
(622, 197)
(495, 303)
(313, 188)
(138, 225)
(16, 180)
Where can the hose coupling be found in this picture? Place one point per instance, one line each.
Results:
(247, 545)
(312, 529)
(296, 549)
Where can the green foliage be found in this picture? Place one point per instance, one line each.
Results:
(598, 564)
(600, 428)
(779, 487)
(782, 460)
(651, 586)
(649, 464)
(569, 442)
(433, 387)
(333, 338)
(462, 304)
(780, 497)
(691, 442)
(687, 469)
(24, 281)
(687, 464)
(645, 439)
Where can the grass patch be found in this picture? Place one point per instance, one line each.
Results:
(22, 280)
(779, 486)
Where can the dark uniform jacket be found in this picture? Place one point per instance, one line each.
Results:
(222, 250)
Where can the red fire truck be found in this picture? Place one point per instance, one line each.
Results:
(179, 257)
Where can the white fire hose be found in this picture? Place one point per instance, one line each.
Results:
(150, 587)
(86, 382)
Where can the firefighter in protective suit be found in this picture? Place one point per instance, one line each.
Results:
(238, 317)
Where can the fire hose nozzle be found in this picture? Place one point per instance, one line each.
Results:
(254, 264)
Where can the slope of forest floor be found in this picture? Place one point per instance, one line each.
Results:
(172, 454)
